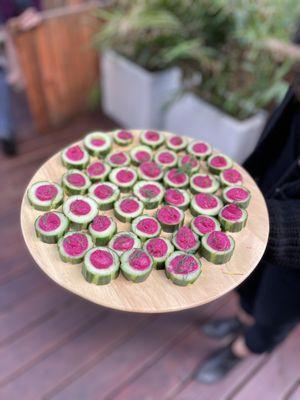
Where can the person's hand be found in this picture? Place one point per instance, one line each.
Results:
(29, 19)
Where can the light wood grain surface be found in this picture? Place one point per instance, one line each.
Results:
(157, 294)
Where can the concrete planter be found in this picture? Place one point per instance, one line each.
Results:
(134, 97)
(194, 117)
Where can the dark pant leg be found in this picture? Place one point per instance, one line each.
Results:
(6, 120)
(276, 308)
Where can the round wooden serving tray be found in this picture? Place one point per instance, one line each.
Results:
(157, 294)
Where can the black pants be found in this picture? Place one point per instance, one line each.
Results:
(272, 296)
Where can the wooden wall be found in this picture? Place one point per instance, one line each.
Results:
(59, 64)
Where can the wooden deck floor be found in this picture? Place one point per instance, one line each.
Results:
(53, 345)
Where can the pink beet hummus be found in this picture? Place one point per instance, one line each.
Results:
(218, 161)
(238, 194)
(206, 201)
(152, 136)
(177, 177)
(129, 206)
(149, 191)
(103, 191)
(75, 153)
(142, 156)
(76, 180)
(232, 212)
(96, 169)
(166, 157)
(80, 207)
(125, 135)
(101, 259)
(174, 197)
(150, 169)
(176, 140)
(232, 175)
(204, 224)
(185, 238)
(46, 192)
(203, 181)
(157, 247)
(75, 244)
(183, 264)
(139, 260)
(123, 243)
(98, 142)
(49, 222)
(148, 226)
(101, 223)
(169, 215)
(124, 176)
(118, 158)
(218, 241)
(200, 148)
(187, 159)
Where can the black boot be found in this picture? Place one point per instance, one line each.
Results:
(223, 328)
(217, 366)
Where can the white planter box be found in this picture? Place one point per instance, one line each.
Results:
(194, 117)
(134, 97)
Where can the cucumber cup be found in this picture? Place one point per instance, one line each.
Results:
(218, 163)
(150, 171)
(170, 218)
(100, 265)
(178, 198)
(231, 177)
(150, 193)
(141, 154)
(152, 139)
(233, 218)
(45, 195)
(203, 224)
(73, 246)
(98, 171)
(80, 211)
(124, 241)
(183, 269)
(145, 227)
(189, 164)
(118, 159)
(159, 249)
(166, 158)
(136, 265)
(206, 204)
(51, 226)
(217, 247)
(98, 144)
(75, 181)
(185, 240)
(203, 183)
(123, 137)
(123, 177)
(128, 208)
(176, 143)
(102, 229)
(199, 149)
(176, 178)
(238, 195)
(75, 157)
(105, 194)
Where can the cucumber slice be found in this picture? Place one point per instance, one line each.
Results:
(118, 159)
(153, 139)
(124, 241)
(141, 154)
(105, 194)
(238, 195)
(80, 210)
(97, 143)
(128, 208)
(51, 226)
(150, 171)
(166, 158)
(159, 249)
(217, 163)
(170, 218)
(45, 195)
(176, 178)
(178, 198)
(217, 247)
(102, 229)
(205, 204)
(231, 177)
(136, 265)
(75, 156)
(145, 227)
(150, 193)
(233, 218)
(98, 171)
(189, 164)
(100, 265)
(123, 137)
(75, 181)
(73, 246)
(183, 269)
(199, 149)
(185, 240)
(203, 224)
(176, 143)
(204, 183)
(123, 177)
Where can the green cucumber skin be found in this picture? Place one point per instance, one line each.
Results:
(182, 282)
(171, 186)
(76, 226)
(98, 153)
(71, 191)
(215, 258)
(194, 191)
(45, 208)
(72, 166)
(103, 241)
(136, 278)
(159, 265)
(49, 239)
(96, 279)
(121, 218)
(191, 251)
(151, 206)
(170, 228)
(216, 171)
(125, 189)
(70, 260)
(107, 206)
(230, 226)
(242, 204)
(96, 179)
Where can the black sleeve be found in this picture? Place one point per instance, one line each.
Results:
(284, 240)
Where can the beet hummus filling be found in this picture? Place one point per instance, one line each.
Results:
(177, 177)
(232, 175)
(218, 161)
(183, 264)
(129, 206)
(149, 191)
(125, 135)
(150, 169)
(125, 176)
(157, 247)
(203, 181)
(46, 192)
(232, 212)
(101, 223)
(75, 244)
(237, 194)
(101, 259)
(80, 207)
(166, 157)
(76, 180)
(218, 241)
(97, 168)
(206, 201)
(139, 260)
(200, 148)
(123, 243)
(169, 215)
(176, 140)
(103, 191)
(142, 156)
(152, 136)
(174, 196)
(49, 222)
(185, 238)
(204, 224)
(187, 159)
(98, 142)
(75, 153)
(118, 158)
(148, 226)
